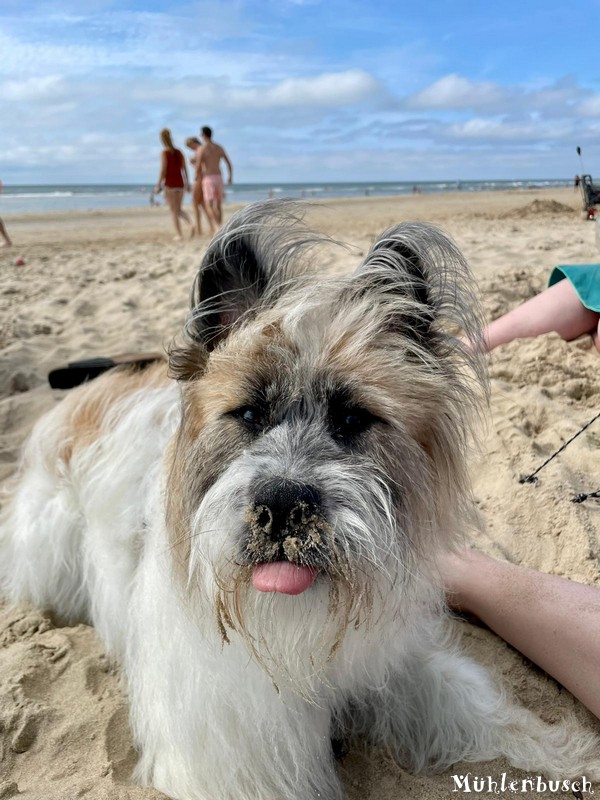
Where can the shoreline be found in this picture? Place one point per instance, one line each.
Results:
(451, 193)
(26, 228)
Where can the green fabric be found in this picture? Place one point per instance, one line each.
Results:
(585, 279)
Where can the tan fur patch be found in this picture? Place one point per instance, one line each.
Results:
(204, 445)
(86, 408)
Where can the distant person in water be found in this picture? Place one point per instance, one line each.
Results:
(210, 156)
(174, 180)
(570, 306)
(194, 144)
(6, 242)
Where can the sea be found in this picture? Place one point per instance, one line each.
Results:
(80, 197)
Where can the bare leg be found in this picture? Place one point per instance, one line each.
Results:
(596, 336)
(218, 213)
(180, 212)
(556, 309)
(204, 208)
(171, 196)
(6, 242)
(197, 229)
(197, 202)
(214, 215)
(553, 621)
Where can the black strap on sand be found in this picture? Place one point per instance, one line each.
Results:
(579, 498)
(533, 477)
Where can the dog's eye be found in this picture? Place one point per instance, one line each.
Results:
(251, 417)
(353, 421)
(348, 423)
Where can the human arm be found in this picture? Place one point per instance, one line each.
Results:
(184, 173)
(198, 164)
(553, 621)
(225, 158)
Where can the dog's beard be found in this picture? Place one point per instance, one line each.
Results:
(359, 558)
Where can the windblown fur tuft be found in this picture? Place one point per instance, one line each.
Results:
(249, 263)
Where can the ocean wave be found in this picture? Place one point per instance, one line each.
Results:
(27, 195)
(82, 197)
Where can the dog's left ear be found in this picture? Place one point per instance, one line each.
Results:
(424, 281)
(249, 264)
(231, 280)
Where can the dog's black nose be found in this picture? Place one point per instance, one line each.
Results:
(282, 506)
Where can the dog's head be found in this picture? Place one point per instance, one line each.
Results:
(325, 420)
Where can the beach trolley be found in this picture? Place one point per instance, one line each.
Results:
(590, 193)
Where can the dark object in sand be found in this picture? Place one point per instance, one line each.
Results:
(87, 369)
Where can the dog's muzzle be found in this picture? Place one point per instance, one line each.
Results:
(286, 523)
(282, 507)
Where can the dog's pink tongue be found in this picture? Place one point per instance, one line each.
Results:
(281, 576)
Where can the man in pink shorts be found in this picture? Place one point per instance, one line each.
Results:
(209, 157)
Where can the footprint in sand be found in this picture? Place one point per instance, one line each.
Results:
(26, 732)
(97, 674)
(119, 747)
(24, 627)
(85, 309)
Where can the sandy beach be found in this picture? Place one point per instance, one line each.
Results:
(101, 283)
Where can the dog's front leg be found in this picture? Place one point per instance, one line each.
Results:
(441, 707)
(208, 721)
(232, 737)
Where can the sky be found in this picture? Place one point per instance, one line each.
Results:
(300, 90)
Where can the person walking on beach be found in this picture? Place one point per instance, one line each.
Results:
(6, 242)
(194, 144)
(174, 179)
(210, 157)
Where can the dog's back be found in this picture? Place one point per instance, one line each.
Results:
(69, 536)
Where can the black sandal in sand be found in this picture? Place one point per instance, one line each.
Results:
(87, 369)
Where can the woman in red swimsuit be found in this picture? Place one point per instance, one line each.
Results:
(173, 179)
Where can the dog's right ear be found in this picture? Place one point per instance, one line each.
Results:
(248, 265)
(425, 282)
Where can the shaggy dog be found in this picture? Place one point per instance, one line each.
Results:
(256, 541)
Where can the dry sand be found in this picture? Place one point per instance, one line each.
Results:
(108, 282)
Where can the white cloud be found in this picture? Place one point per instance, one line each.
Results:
(332, 89)
(130, 42)
(590, 107)
(456, 93)
(482, 129)
(30, 90)
(453, 91)
(328, 90)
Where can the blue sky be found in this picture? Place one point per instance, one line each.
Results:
(300, 89)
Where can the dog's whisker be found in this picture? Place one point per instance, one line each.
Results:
(189, 537)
